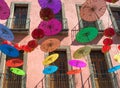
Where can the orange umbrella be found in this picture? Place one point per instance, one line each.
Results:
(71, 72)
(50, 45)
(92, 10)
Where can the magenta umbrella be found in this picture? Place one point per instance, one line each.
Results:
(4, 10)
(51, 27)
(80, 64)
(55, 5)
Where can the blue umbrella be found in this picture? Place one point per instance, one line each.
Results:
(50, 69)
(9, 50)
(5, 33)
(113, 69)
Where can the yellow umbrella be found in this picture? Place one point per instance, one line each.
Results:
(117, 58)
(81, 52)
(50, 59)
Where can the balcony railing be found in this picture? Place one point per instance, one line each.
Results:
(19, 25)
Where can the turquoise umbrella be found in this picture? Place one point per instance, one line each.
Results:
(86, 35)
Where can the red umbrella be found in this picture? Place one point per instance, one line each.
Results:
(119, 47)
(7, 42)
(71, 72)
(32, 44)
(17, 46)
(109, 32)
(107, 41)
(106, 48)
(26, 48)
(111, 1)
(46, 14)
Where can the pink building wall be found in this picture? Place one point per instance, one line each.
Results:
(35, 58)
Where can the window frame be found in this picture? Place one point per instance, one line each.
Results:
(9, 21)
(67, 48)
(98, 23)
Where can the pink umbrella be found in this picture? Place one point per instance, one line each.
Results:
(4, 10)
(51, 27)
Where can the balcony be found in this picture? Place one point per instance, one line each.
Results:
(19, 25)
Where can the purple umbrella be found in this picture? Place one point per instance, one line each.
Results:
(51, 27)
(4, 10)
(55, 5)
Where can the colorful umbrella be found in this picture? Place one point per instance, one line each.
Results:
(111, 1)
(51, 27)
(50, 69)
(87, 34)
(32, 44)
(55, 5)
(119, 47)
(109, 32)
(16, 62)
(18, 46)
(71, 72)
(46, 14)
(113, 69)
(92, 10)
(107, 41)
(9, 50)
(4, 10)
(6, 33)
(106, 48)
(38, 33)
(50, 59)
(117, 58)
(81, 52)
(17, 71)
(77, 63)
(50, 45)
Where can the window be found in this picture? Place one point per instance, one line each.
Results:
(83, 23)
(19, 20)
(12, 80)
(114, 12)
(60, 79)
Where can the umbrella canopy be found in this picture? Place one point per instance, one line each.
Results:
(81, 52)
(5, 33)
(9, 50)
(50, 59)
(55, 5)
(113, 69)
(86, 35)
(92, 10)
(38, 33)
(109, 32)
(4, 10)
(46, 14)
(71, 72)
(106, 48)
(107, 41)
(51, 27)
(77, 63)
(32, 44)
(17, 71)
(111, 1)
(117, 58)
(50, 69)
(16, 62)
(50, 45)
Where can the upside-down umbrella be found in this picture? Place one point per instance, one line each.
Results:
(92, 10)
(38, 33)
(9, 50)
(5, 33)
(75, 71)
(50, 59)
(117, 58)
(86, 35)
(107, 41)
(81, 52)
(50, 69)
(17, 71)
(119, 47)
(32, 44)
(50, 44)
(46, 14)
(105, 48)
(113, 69)
(17, 46)
(109, 32)
(80, 64)
(55, 5)
(15, 62)
(111, 1)
(51, 27)
(4, 10)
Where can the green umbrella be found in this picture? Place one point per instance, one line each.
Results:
(17, 71)
(86, 34)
